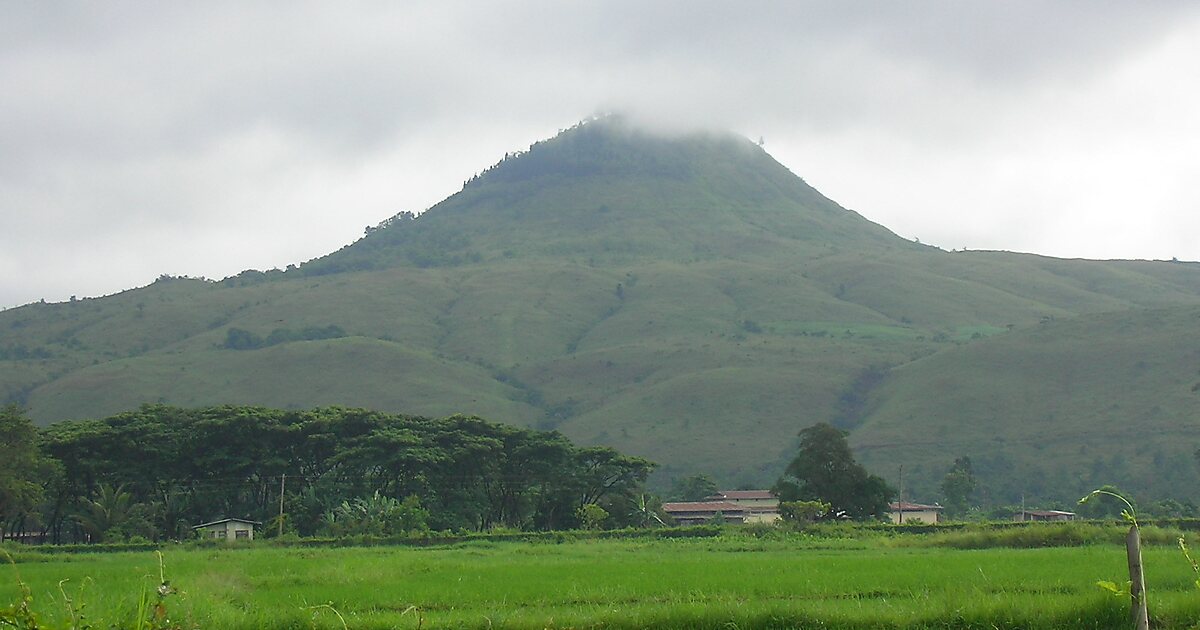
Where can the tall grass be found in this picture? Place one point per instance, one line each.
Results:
(1035, 535)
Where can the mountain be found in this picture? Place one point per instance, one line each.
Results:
(683, 297)
(607, 194)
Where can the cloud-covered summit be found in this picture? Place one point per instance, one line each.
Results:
(204, 139)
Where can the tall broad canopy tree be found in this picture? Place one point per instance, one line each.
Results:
(957, 486)
(23, 469)
(824, 470)
(693, 488)
(185, 466)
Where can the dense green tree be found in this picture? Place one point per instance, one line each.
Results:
(592, 516)
(957, 486)
(23, 468)
(1104, 505)
(238, 339)
(646, 511)
(799, 513)
(594, 475)
(693, 488)
(1170, 508)
(377, 515)
(186, 466)
(113, 515)
(824, 470)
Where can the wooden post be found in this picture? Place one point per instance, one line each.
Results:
(1137, 581)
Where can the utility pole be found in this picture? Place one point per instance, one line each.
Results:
(282, 481)
(900, 501)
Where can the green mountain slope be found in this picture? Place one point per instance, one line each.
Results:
(1056, 409)
(606, 193)
(685, 298)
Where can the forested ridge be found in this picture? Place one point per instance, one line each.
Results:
(156, 471)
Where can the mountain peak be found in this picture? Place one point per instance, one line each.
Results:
(610, 191)
(615, 145)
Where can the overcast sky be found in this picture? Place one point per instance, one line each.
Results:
(205, 138)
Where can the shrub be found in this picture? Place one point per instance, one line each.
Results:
(592, 516)
(800, 513)
(1034, 535)
(376, 516)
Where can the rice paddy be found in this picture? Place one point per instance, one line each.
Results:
(732, 581)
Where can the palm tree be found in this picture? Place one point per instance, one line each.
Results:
(109, 509)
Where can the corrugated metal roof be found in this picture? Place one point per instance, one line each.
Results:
(906, 506)
(227, 520)
(1047, 513)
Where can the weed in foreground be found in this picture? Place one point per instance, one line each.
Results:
(20, 614)
(152, 607)
(150, 614)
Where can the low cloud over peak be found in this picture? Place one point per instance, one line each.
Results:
(204, 139)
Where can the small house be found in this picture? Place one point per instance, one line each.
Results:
(905, 512)
(227, 529)
(1026, 516)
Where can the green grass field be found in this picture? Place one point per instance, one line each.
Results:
(734, 581)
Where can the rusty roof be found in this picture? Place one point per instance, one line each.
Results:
(703, 506)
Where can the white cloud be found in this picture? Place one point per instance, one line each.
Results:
(208, 138)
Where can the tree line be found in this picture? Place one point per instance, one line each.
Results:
(155, 472)
(238, 339)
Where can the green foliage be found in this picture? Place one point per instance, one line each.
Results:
(647, 512)
(149, 612)
(800, 513)
(19, 352)
(349, 472)
(238, 339)
(1034, 535)
(693, 488)
(377, 516)
(824, 471)
(1113, 589)
(591, 516)
(1107, 501)
(1187, 555)
(19, 615)
(23, 468)
(957, 487)
(113, 515)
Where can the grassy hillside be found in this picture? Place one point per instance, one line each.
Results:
(684, 298)
(1054, 410)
